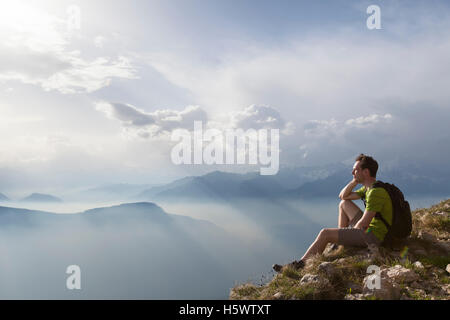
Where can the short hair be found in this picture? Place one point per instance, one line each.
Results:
(368, 162)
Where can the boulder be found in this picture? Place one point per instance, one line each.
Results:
(316, 280)
(387, 290)
(309, 278)
(354, 287)
(390, 282)
(330, 249)
(278, 295)
(426, 236)
(420, 252)
(374, 250)
(444, 245)
(400, 274)
(327, 268)
(446, 288)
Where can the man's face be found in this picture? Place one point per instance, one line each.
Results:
(357, 172)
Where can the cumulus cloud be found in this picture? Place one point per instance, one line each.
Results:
(150, 124)
(260, 117)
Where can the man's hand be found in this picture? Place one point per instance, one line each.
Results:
(360, 225)
(347, 194)
(364, 222)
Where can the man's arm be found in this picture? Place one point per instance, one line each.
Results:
(364, 222)
(347, 194)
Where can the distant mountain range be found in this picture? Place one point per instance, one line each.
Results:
(40, 197)
(142, 211)
(3, 197)
(291, 183)
(119, 191)
(218, 185)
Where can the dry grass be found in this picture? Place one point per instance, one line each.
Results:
(350, 265)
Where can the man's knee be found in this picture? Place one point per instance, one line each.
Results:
(349, 207)
(345, 203)
(329, 235)
(323, 234)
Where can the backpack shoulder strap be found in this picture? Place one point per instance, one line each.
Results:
(379, 216)
(381, 184)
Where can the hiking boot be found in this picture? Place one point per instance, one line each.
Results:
(277, 267)
(334, 246)
(296, 264)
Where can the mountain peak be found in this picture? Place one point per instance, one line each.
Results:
(145, 209)
(40, 197)
(140, 205)
(417, 269)
(3, 197)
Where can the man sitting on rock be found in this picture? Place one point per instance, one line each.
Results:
(355, 227)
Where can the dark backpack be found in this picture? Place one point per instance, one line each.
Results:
(401, 214)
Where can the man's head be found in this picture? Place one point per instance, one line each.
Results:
(365, 168)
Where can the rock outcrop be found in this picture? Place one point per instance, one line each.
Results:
(418, 268)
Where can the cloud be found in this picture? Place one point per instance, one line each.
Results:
(258, 117)
(348, 82)
(333, 127)
(367, 134)
(35, 50)
(151, 124)
(99, 41)
(77, 76)
(369, 120)
(308, 76)
(320, 126)
(127, 114)
(410, 132)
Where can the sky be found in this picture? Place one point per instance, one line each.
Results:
(91, 91)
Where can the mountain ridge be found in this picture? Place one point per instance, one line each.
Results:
(3, 197)
(324, 181)
(41, 197)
